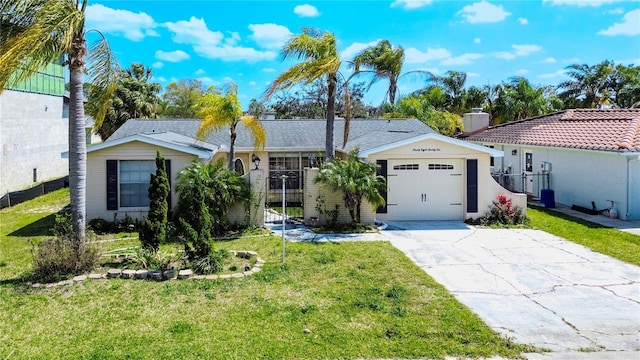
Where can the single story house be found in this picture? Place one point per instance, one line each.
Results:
(590, 156)
(429, 176)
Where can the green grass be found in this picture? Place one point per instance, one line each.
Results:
(347, 300)
(613, 242)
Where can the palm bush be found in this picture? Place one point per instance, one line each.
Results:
(356, 179)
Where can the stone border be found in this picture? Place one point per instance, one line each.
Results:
(163, 275)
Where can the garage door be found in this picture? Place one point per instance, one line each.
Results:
(425, 189)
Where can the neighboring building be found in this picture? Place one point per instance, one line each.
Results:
(590, 155)
(429, 176)
(33, 131)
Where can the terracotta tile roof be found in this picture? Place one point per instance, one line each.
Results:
(592, 129)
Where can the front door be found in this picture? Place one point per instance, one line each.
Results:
(528, 172)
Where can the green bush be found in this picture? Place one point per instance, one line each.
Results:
(63, 225)
(149, 260)
(212, 263)
(60, 257)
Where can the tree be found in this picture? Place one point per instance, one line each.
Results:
(256, 109)
(384, 61)
(589, 84)
(626, 86)
(154, 230)
(179, 98)
(356, 179)
(320, 60)
(420, 106)
(221, 110)
(134, 98)
(37, 32)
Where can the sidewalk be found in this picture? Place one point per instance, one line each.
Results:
(630, 226)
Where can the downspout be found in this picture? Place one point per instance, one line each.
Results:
(628, 187)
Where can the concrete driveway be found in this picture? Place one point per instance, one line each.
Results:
(530, 286)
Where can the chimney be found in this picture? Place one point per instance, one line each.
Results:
(475, 121)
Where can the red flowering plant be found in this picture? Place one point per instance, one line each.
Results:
(502, 212)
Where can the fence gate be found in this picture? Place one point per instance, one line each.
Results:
(293, 197)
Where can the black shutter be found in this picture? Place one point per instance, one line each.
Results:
(167, 167)
(472, 185)
(382, 171)
(112, 184)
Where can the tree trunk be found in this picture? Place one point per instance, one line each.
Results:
(331, 113)
(77, 139)
(232, 148)
(393, 88)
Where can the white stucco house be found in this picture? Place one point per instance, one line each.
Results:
(591, 155)
(429, 176)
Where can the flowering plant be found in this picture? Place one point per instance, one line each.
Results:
(502, 212)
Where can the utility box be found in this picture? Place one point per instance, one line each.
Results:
(547, 198)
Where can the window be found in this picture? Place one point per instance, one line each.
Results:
(406, 167)
(491, 160)
(440, 167)
(239, 165)
(291, 165)
(134, 182)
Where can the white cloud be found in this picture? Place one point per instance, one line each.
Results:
(410, 4)
(159, 79)
(270, 36)
(630, 25)
(269, 70)
(521, 72)
(133, 26)
(193, 32)
(232, 39)
(353, 49)
(172, 56)
(616, 11)
(549, 60)
(209, 44)
(483, 12)
(199, 72)
(413, 55)
(477, 40)
(523, 21)
(207, 81)
(519, 50)
(252, 83)
(581, 3)
(157, 65)
(552, 75)
(306, 10)
(464, 59)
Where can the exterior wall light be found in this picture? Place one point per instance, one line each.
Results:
(256, 161)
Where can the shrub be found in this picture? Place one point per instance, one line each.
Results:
(154, 230)
(100, 225)
(149, 259)
(502, 212)
(59, 257)
(212, 263)
(63, 225)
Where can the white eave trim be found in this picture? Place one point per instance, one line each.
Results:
(199, 152)
(433, 136)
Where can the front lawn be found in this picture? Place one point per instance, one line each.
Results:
(347, 300)
(613, 242)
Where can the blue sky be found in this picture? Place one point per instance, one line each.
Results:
(220, 41)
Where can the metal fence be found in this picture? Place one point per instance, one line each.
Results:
(524, 183)
(292, 194)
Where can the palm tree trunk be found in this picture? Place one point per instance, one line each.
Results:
(331, 113)
(77, 140)
(232, 148)
(393, 88)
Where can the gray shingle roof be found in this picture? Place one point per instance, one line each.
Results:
(288, 134)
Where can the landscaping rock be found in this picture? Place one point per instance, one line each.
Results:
(236, 275)
(170, 274)
(256, 270)
(212, 277)
(95, 276)
(128, 274)
(185, 274)
(242, 254)
(141, 274)
(306, 331)
(80, 278)
(199, 277)
(225, 276)
(113, 273)
(36, 285)
(155, 274)
(252, 253)
(246, 267)
(65, 282)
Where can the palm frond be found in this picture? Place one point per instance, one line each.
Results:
(103, 70)
(256, 130)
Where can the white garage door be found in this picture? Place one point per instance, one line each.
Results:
(425, 189)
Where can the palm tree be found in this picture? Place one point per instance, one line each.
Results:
(320, 60)
(221, 110)
(356, 179)
(384, 62)
(589, 84)
(35, 33)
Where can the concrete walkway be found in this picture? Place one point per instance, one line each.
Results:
(531, 286)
